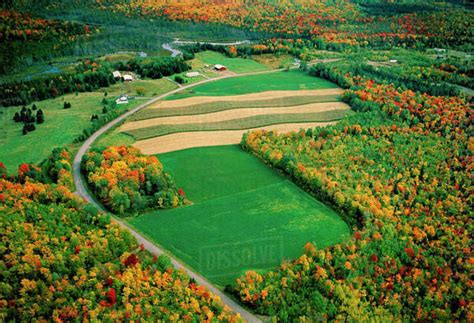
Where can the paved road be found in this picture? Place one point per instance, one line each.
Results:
(82, 191)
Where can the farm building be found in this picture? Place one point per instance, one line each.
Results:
(127, 78)
(117, 74)
(192, 74)
(219, 67)
(122, 100)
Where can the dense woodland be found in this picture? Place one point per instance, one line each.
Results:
(128, 182)
(399, 173)
(63, 260)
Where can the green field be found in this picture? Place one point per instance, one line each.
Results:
(244, 215)
(113, 138)
(148, 87)
(60, 128)
(237, 65)
(276, 81)
(227, 105)
(238, 124)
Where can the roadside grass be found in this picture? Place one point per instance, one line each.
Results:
(113, 138)
(209, 107)
(245, 215)
(238, 124)
(276, 81)
(237, 65)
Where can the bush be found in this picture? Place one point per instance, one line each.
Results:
(179, 79)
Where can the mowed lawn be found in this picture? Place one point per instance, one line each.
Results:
(275, 81)
(244, 216)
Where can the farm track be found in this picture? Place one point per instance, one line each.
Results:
(185, 140)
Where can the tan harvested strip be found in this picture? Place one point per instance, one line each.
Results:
(234, 114)
(184, 140)
(244, 97)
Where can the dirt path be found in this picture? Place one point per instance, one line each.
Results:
(184, 140)
(259, 96)
(234, 114)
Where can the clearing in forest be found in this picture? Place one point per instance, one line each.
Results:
(244, 216)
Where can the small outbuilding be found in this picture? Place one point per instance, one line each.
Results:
(122, 100)
(117, 74)
(127, 78)
(192, 74)
(219, 67)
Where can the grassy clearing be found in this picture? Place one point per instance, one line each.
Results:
(60, 128)
(239, 124)
(114, 138)
(147, 88)
(277, 81)
(245, 216)
(272, 61)
(210, 107)
(237, 65)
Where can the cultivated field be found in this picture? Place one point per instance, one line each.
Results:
(235, 114)
(293, 100)
(184, 140)
(277, 81)
(244, 215)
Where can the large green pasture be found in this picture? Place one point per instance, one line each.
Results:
(274, 81)
(244, 216)
(238, 124)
